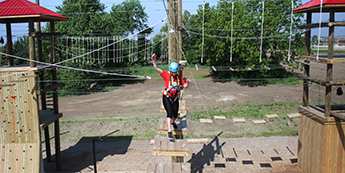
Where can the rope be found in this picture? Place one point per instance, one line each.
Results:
(232, 28)
(318, 44)
(292, 6)
(203, 22)
(262, 26)
(71, 68)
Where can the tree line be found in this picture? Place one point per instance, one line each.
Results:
(227, 33)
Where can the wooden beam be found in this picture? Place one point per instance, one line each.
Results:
(9, 41)
(6, 84)
(238, 120)
(324, 24)
(259, 122)
(271, 116)
(51, 87)
(31, 44)
(293, 115)
(40, 34)
(219, 118)
(340, 115)
(209, 121)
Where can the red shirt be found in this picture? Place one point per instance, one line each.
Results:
(167, 81)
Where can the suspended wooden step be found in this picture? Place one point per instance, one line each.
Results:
(207, 121)
(163, 147)
(238, 120)
(169, 168)
(162, 127)
(259, 122)
(271, 116)
(219, 118)
(295, 115)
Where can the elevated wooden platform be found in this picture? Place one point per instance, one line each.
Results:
(162, 127)
(238, 120)
(162, 146)
(340, 60)
(318, 113)
(47, 117)
(169, 168)
(320, 141)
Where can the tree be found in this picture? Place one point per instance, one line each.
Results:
(246, 40)
(314, 39)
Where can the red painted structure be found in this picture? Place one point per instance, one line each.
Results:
(314, 6)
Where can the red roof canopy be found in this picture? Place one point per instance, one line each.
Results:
(314, 6)
(18, 11)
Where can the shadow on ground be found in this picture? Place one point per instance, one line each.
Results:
(206, 155)
(80, 156)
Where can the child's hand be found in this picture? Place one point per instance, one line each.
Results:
(153, 56)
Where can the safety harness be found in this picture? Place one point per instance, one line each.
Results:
(173, 96)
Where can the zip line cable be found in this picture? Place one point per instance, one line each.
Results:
(203, 21)
(56, 64)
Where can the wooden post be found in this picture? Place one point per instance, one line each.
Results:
(328, 101)
(307, 36)
(31, 43)
(306, 66)
(179, 48)
(172, 31)
(55, 101)
(9, 42)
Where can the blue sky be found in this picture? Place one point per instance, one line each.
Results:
(156, 12)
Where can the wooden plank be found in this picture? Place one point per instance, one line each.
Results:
(168, 148)
(167, 168)
(162, 127)
(219, 118)
(198, 141)
(185, 168)
(209, 121)
(294, 115)
(6, 84)
(259, 122)
(47, 117)
(324, 60)
(176, 168)
(271, 116)
(238, 120)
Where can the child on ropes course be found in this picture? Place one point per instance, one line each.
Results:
(172, 82)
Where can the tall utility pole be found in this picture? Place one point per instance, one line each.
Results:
(175, 31)
(172, 31)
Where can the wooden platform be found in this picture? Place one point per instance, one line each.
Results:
(259, 122)
(271, 116)
(47, 117)
(162, 127)
(238, 120)
(295, 115)
(320, 141)
(162, 146)
(219, 118)
(169, 168)
(207, 121)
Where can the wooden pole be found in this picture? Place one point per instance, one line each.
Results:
(55, 101)
(328, 101)
(9, 41)
(306, 66)
(172, 31)
(179, 14)
(31, 43)
(307, 36)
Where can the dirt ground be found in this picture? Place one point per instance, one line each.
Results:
(132, 111)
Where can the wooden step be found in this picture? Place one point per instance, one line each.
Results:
(294, 115)
(162, 127)
(259, 122)
(219, 118)
(162, 146)
(207, 121)
(271, 116)
(238, 120)
(169, 168)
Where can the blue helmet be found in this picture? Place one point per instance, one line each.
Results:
(173, 67)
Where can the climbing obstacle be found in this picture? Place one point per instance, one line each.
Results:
(20, 149)
(162, 146)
